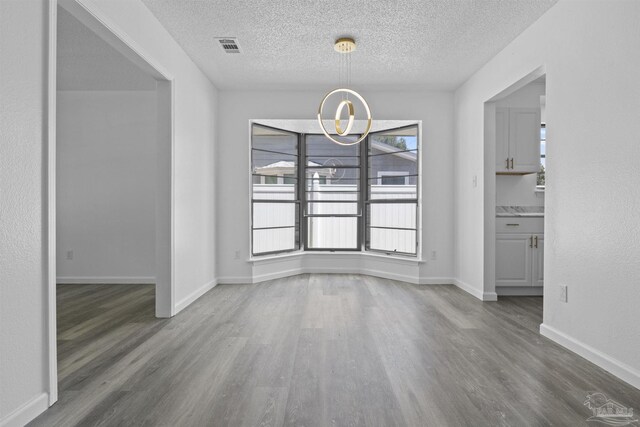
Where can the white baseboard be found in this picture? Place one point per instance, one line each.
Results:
(482, 296)
(186, 301)
(468, 288)
(27, 412)
(277, 275)
(525, 291)
(391, 276)
(624, 372)
(331, 270)
(107, 280)
(435, 281)
(365, 271)
(489, 296)
(235, 280)
(369, 272)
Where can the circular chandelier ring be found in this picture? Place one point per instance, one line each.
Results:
(338, 119)
(342, 104)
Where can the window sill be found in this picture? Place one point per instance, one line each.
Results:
(258, 258)
(345, 254)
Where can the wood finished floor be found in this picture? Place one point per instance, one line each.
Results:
(316, 350)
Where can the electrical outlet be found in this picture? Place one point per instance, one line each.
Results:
(69, 255)
(475, 181)
(237, 255)
(434, 255)
(563, 293)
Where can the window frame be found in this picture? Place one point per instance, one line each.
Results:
(404, 174)
(363, 201)
(296, 201)
(302, 177)
(417, 200)
(541, 188)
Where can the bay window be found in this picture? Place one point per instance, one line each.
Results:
(312, 194)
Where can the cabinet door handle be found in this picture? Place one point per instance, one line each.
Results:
(512, 163)
(536, 241)
(513, 225)
(530, 241)
(507, 163)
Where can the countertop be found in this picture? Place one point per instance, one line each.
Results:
(520, 211)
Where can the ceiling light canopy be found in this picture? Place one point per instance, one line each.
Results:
(344, 46)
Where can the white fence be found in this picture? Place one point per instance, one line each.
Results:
(328, 232)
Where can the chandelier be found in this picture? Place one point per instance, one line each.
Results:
(345, 46)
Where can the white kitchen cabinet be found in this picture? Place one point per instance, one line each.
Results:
(517, 140)
(502, 139)
(513, 255)
(519, 252)
(538, 260)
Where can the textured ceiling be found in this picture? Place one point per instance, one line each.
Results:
(86, 62)
(288, 44)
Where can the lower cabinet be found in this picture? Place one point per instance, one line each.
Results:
(514, 259)
(519, 259)
(538, 260)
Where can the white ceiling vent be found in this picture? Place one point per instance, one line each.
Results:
(229, 44)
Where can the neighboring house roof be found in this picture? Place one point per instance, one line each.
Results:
(409, 155)
(284, 167)
(285, 164)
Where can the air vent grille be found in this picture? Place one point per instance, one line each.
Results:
(229, 45)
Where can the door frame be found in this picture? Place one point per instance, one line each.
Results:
(490, 176)
(87, 12)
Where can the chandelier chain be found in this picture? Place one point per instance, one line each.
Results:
(345, 46)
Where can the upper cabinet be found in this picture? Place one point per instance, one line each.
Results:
(517, 140)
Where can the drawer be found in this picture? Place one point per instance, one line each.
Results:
(519, 225)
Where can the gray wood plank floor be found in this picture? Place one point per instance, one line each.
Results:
(316, 350)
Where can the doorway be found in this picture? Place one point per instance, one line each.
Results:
(110, 174)
(515, 157)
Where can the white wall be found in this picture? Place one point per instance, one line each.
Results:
(518, 190)
(195, 137)
(238, 107)
(23, 306)
(106, 172)
(525, 97)
(590, 51)
(23, 317)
